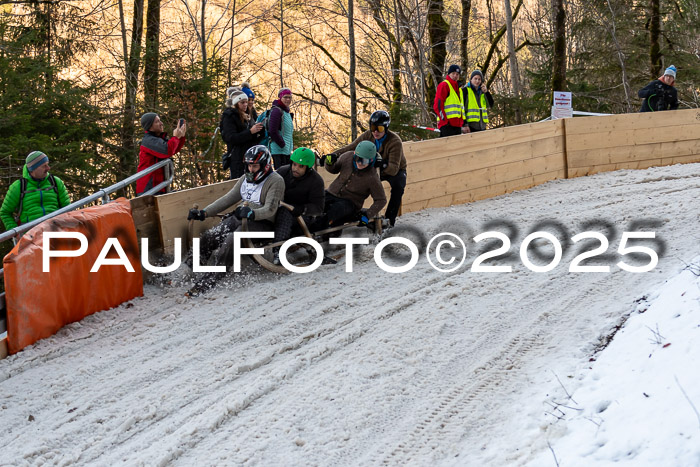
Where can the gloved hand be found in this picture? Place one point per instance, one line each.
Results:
(197, 214)
(298, 210)
(244, 212)
(329, 159)
(364, 221)
(381, 163)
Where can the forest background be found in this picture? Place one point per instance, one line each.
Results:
(75, 75)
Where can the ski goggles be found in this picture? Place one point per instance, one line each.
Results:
(379, 128)
(362, 160)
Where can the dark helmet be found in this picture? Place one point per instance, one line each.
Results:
(380, 118)
(258, 154)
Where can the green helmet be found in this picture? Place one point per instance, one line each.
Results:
(303, 156)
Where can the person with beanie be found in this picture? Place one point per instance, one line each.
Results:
(478, 99)
(449, 104)
(35, 195)
(245, 87)
(661, 93)
(239, 131)
(281, 128)
(156, 146)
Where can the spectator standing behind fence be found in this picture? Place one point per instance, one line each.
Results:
(449, 104)
(245, 87)
(660, 94)
(35, 195)
(478, 100)
(156, 146)
(238, 130)
(281, 128)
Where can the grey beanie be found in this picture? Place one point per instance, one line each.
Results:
(476, 72)
(147, 120)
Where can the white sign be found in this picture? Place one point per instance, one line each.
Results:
(559, 112)
(562, 100)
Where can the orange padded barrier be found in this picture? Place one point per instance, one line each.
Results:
(40, 303)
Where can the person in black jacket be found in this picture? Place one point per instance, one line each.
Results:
(238, 130)
(660, 94)
(304, 190)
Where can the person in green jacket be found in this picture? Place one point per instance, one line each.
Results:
(43, 193)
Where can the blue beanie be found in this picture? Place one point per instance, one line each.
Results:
(248, 92)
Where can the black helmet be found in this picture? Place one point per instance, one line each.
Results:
(380, 118)
(258, 154)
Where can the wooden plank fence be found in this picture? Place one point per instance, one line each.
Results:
(460, 169)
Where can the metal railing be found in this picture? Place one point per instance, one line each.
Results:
(103, 194)
(579, 112)
(166, 164)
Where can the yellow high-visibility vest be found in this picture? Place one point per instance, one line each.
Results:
(476, 112)
(454, 104)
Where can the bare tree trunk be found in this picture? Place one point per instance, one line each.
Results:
(151, 58)
(230, 46)
(351, 74)
(655, 33)
(281, 42)
(203, 38)
(515, 81)
(395, 50)
(621, 57)
(559, 59)
(438, 29)
(128, 145)
(464, 41)
(125, 47)
(49, 68)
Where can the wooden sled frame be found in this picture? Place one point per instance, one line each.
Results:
(278, 268)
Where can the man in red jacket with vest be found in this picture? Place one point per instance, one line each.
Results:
(449, 104)
(156, 146)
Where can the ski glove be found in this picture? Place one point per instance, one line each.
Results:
(364, 221)
(329, 159)
(381, 163)
(197, 214)
(244, 212)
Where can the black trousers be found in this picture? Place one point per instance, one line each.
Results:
(398, 185)
(286, 225)
(280, 160)
(449, 130)
(237, 167)
(338, 210)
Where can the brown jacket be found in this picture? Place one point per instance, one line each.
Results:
(391, 150)
(356, 185)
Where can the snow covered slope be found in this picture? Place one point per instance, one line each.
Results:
(358, 368)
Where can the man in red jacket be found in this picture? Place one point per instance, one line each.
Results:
(156, 146)
(449, 104)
